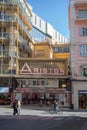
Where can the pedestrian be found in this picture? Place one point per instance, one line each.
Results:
(48, 103)
(56, 107)
(15, 111)
(41, 103)
(19, 107)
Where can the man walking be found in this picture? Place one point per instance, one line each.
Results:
(15, 111)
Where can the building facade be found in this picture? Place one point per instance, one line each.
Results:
(78, 41)
(43, 30)
(28, 69)
(15, 41)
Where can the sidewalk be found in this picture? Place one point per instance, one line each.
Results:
(38, 111)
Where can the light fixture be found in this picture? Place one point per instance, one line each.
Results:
(64, 85)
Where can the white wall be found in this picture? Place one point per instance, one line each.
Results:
(37, 24)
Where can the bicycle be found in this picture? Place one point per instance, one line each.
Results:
(51, 111)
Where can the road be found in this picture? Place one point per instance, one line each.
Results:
(29, 122)
(40, 119)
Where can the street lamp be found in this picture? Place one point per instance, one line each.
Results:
(31, 95)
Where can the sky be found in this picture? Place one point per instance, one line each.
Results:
(54, 12)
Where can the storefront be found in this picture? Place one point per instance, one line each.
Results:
(5, 96)
(33, 94)
(79, 94)
(82, 94)
(44, 80)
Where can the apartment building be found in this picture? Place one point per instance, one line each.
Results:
(29, 71)
(15, 41)
(78, 44)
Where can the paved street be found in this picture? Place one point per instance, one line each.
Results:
(27, 122)
(41, 119)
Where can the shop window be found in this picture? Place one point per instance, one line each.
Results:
(62, 83)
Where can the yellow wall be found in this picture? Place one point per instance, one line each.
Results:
(42, 50)
(61, 55)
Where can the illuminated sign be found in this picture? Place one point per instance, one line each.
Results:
(47, 71)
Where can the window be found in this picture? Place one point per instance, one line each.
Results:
(65, 49)
(83, 50)
(83, 70)
(40, 53)
(40, 23)
(35, 20)
(61, 49)
(82, 14)
(83, 32)
(37, 35)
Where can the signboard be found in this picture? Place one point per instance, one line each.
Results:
(4, 90)
(26, 69)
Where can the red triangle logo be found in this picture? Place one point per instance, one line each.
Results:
(25, 69)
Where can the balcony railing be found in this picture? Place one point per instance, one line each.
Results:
(4, 35)
(20, 4)
(5, 53)
(12, 2)
(25, 44)
(10, 18)
(7, 68)
(82, 16)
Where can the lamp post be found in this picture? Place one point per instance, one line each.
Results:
(31, 96)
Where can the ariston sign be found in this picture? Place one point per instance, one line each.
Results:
(47, 71)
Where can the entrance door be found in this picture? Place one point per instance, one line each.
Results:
(82, 100)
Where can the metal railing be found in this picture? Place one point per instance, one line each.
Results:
(4, 35)
(20, 4)
(15, 18)
(81, 16)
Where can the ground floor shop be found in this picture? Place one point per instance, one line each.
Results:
(33, 90)
(5, 98)
(79, 95)
(34, 96)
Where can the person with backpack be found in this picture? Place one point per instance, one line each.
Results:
(15, 110)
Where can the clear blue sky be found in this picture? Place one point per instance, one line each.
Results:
(53, 11)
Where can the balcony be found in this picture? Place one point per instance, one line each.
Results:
(82, 3)
(5, 53)
(9, 2)
(15, 18)
(81, 18)
(4, 35)
(22, 8)
(7, 68)
(8, 18)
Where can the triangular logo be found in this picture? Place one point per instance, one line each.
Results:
(25, 69)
